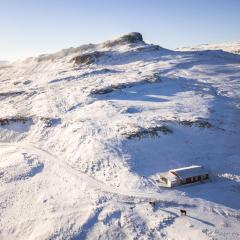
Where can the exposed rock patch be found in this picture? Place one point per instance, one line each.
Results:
(27, 82)
(49, 122)
(202, 123)
(87, 58)
(148, 132)
(148, 48)
(11, 94)
(133, 37)
(7, 121)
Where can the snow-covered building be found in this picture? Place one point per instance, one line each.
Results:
(186, 175)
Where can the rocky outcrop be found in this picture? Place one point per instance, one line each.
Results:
(87, 58)
(133, 37)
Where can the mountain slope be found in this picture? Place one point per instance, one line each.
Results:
(83, 132)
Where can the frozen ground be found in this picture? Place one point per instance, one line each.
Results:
(232, 47)
(84, 131)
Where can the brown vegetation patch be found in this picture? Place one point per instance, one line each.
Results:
(148, 132)
(7, 121)
(202, 123)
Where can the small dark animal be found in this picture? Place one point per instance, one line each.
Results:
(183, 212)
(153, 204)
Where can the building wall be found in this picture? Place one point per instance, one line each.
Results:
(194, 179)
(186, 181)
(173, 184)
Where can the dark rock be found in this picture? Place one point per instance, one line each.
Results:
(87, 58)
(133, 37)
(7, 121)
(202, 123)
(10, 94)
(102, 90)
(49, 122)
(155, 78)
(27, 82)
(16, 83)
(148, 48)
(148, 132)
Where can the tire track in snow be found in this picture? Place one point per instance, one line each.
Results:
(64, 169)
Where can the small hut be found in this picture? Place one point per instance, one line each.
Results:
(185, 175)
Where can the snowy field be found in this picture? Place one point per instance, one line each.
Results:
(232, 47)
(84, 131)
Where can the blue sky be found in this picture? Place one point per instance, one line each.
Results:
(31, 27)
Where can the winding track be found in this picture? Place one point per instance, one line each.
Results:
(58, 166)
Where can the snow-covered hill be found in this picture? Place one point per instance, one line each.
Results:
(83, 132)
(232, 47)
